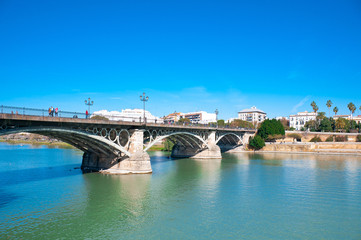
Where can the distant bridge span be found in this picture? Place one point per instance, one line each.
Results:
(121, 147)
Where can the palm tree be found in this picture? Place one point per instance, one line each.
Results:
(335, 110)
(329, 104)
(314, 106)
(352, 108)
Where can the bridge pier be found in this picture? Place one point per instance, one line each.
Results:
(211, 152)
(138, 162)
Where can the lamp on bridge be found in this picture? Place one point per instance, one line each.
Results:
(144, 99)
(89, 103)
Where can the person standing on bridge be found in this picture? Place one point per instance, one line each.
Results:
(49, 112)
(56, 112)
(86, 114)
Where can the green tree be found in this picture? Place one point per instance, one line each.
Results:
(321, 116)
(329, 105)
(352, 108)
(312, 125)
(184, 120)
(256, 143)
(342, 124)
(285, 123)
(353, 124)
(335, 110)
(242, 124)
(326, 125)
(271, 129)
(168, 145)
(221, 123)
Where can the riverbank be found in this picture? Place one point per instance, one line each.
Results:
(344, 148)
(33, 139)
(36, 143)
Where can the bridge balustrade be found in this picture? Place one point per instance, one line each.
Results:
(114, 118)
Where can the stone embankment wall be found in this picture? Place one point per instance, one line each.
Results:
(307, 136)
(322, 147)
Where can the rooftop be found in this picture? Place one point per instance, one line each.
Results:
(252, 109)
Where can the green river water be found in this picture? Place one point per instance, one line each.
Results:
(44, 195)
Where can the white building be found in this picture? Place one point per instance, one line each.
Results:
(355, 118)
(201, 117)
(299, 120)
(252, 115)
(129, 115)
(282, 118)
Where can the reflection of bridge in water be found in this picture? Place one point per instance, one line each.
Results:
(121, 147)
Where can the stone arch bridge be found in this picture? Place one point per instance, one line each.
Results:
(121, 147)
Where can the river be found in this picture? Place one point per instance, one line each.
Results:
(44, 195)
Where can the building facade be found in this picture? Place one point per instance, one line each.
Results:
(172, 118)
(128, 115)
(252, 115)
(299, 120)
(200, 117)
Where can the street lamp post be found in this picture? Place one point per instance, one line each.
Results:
(216, 112)
(89, 103)
(144, 99)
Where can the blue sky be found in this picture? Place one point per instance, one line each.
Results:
(186, 55)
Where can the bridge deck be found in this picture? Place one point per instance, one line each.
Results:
(29, 119)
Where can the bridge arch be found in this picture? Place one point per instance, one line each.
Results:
(82, 140)
(184, 138)
(229, 134)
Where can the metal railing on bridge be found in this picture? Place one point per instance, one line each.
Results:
(114, 117)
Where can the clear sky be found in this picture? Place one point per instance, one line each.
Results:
(186, 55)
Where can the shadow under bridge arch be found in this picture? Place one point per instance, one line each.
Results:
(84, 141)
(230, 139)
(186, 139)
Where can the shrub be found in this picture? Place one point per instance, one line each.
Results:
(273, 138)
(329, 139)
(341, 139)
(98, 117)
(316, 139)
(358, 138)
(295, 136)
(256, 143)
